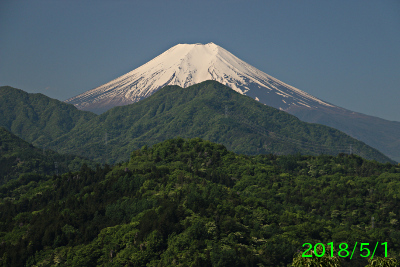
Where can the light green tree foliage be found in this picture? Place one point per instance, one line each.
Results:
(382, 262)
(325, 261)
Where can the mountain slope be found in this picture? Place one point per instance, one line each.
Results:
(194, 203)
(207, 110)
(37, 118)
(376, 132)
(19, 159)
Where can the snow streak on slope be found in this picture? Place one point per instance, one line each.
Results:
(188, 64)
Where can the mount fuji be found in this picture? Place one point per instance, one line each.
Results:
(188, 64)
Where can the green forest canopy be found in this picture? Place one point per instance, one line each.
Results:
(194, 203)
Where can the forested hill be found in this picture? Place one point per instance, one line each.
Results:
(19, 159)
(194, 203)
(211, 111)
(36, 118)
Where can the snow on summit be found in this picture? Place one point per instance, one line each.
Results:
(188, 64)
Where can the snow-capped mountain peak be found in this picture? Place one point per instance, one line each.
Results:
(188, 64)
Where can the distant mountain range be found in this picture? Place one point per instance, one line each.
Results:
(207, 110)
(381, 134)
(188, 64)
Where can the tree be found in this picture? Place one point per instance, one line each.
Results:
(325, 261)
(382, 262)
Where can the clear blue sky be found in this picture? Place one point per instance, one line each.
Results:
(344, 52)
